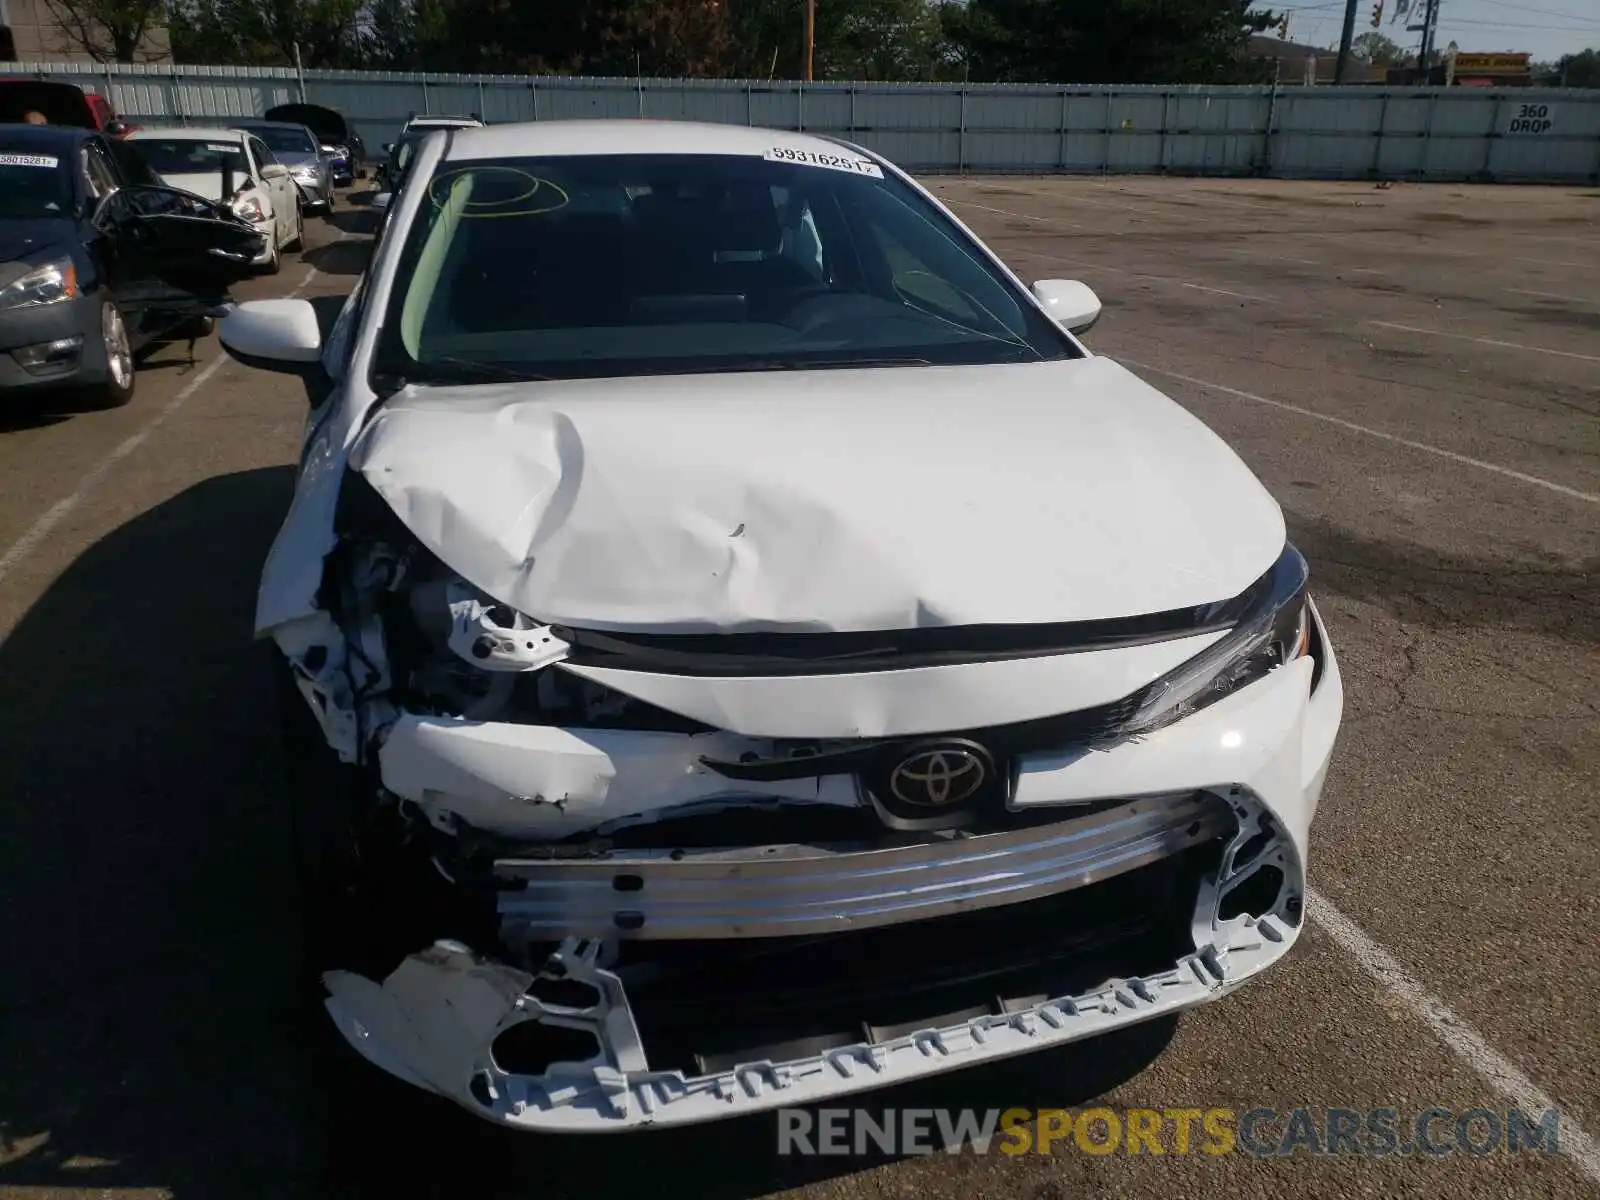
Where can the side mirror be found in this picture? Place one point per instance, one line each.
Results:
(388, 147)
(381, 202)
(1071, 303)
(274, 171)
(275, 335)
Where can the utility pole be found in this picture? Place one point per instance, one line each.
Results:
(1345, 38)
(1430, 18)
(811, 36)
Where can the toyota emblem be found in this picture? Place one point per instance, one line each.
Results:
(939, 777)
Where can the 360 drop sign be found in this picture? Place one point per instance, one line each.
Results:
(1532, 118)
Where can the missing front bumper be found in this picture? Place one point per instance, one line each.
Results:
(791, 890)
(611, 1034)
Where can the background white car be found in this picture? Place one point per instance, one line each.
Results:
(744, 648)
(238, 167)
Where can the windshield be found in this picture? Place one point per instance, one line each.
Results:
(192, 156)
(643, 264)
(33, 185)
(286, 141)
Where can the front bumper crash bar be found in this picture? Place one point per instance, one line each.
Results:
(782, 891)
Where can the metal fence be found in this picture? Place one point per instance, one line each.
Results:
(1516, 135)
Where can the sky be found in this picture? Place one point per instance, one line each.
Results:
(1547, 29)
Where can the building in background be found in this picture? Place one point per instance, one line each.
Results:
(1298, 63)
(42, 31)
(1459, 68)
(1491, 70)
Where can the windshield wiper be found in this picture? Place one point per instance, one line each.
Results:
(797, 364)
(463, 370)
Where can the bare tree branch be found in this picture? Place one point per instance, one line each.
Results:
(107, 30)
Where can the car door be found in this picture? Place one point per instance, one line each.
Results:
(97, 179)
(168, 248)
(281, 191)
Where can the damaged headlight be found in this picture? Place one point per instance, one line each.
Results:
(1274, 632)
(45, 284)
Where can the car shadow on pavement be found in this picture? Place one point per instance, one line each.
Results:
(340, 258)
(32, 412)
(149, 1028)
(157, 1032)
(354, 222)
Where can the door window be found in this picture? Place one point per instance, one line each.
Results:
(263, 156)
(101, 172)
(131, 166)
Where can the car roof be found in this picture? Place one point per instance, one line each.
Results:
(192, 132)
(627, 136)
(41, 137)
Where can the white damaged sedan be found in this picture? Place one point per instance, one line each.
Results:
(741, 648)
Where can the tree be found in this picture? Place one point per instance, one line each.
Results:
(1108, 41)
(397, 35)
(886, 39)
(856, 39)
(1580, 70)
(667, 37)
(108, 30)
(266, 31)
(1378, 50)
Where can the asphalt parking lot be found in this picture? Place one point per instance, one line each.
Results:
(1415, 374)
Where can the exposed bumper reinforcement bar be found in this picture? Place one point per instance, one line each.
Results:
(780, 891)
(438, 1020)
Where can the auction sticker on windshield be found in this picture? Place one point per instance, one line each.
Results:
(29, 160)
(834, 162)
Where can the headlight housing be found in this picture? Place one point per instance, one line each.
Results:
(1275, 629)
(250, 209)
(48, 283)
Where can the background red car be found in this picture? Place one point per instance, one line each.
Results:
(60, 104)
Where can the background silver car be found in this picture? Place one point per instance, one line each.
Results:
(297, 147)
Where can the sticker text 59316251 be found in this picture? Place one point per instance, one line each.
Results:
(47, 161)
(848, 163)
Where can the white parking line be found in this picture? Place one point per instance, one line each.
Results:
(1466, 337)
(1440, 452)
(1021, 216)
(1189, 195)
(1100, 201)
(1094, 266)
(1442, 251)
(1548, 262)
(1551, 296)
(1200, 287)
(58, 512)
(1289, 258)
(1461, 1039)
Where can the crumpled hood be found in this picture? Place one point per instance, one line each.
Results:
(832, 500)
